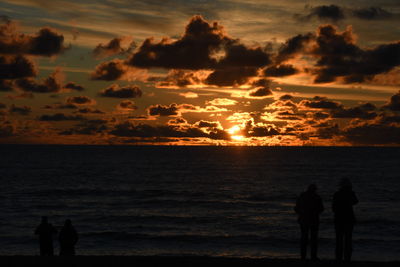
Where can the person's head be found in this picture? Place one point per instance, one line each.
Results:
(68, 222)
(345, 183)
(44, 219)
(312, 188)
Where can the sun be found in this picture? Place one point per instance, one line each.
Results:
(233, 131)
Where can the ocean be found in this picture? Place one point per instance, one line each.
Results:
(215, 201)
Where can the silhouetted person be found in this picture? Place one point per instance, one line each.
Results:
(343, 201)
(68, 237)
(309, 206)
(45, 232)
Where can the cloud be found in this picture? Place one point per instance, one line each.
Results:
(46, 42)
(372, 13)
(6, 85)
(51, 84)
(222, 102)
(320, 103)
(24, 110)
(60, 117)
(7, 129)
(324, 12)
(280, 70)
(203, 46)
(80, 100)
(177, 121)
(192, 51)
(87, 127)
(117, 46)
(128, 129)
(293, 46)
(160, 110)
(372, 134)
(339, 57)
(87, 110)
(127, 105)
(394, 103)
(362, 112)
(181, 78)
(15, 67)
(117, 69)
(189, 95)
(73, 86)
(128, 91)
(260, 92)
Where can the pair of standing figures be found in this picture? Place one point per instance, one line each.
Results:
(309, 206)
(68, 237)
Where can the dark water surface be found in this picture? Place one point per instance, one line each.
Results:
(220, 201)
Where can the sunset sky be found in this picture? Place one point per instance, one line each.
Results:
(199, 72)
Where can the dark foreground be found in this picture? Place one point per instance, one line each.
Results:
(186, 261)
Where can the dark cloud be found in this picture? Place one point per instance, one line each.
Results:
(179, 78)
(114, 47)
(7, 129)
(260, 92)
(73, 86)
(177, 121)
(51, 84)
(394, 103)
(324, 12)
(24, 110)
(339, 57)
(47, 42)
(280, 70)
(286, 97)
(293, 46)
(203, 46)
(87, 127)
(372, 13)
(353, 112)
(127, 105)
(110, 70)
(255, 130)
(128, 91)
(373, 134)
(193, 50)
(60, 117)
(89, 111)
(14, 67)
(208, 124)
(231, 76)
(320, 103)
(80, 100)
(160, 110)
(6, 85)
(128, 129)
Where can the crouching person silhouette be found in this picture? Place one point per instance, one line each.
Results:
(308, 207)
(68, 238)
(45, 231)
(342, 206)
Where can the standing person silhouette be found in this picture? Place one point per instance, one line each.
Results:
(308, 207)
(342, 206)
(45, 232)
(68, 238)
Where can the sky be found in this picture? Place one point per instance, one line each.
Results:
(199, 72)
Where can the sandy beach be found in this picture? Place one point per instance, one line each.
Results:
(176, 261)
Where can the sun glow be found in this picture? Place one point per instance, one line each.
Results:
(234, 129)
(234, 132)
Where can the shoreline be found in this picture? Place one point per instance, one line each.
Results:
(176, 261)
